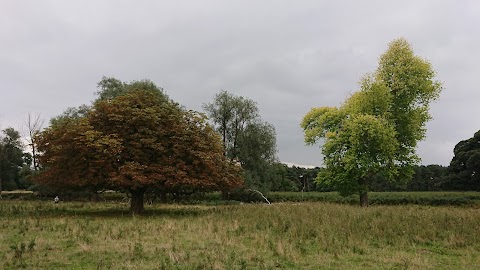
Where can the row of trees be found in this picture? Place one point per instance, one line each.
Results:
(17, 175)
(425, 178)
(17, 169)
(88, 148)
(134, 138)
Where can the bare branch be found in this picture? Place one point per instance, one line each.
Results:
(34, 124)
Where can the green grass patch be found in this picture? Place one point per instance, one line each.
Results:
(436, 198)
(382, 198)
(307, 235)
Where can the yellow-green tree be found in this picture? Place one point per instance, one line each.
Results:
(377, 129)
(135, 140)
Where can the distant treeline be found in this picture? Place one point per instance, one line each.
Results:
(425, 178)
(286, 178)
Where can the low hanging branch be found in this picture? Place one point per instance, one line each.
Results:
(256, 191)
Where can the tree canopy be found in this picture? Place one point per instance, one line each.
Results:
(246, 137)
(464, 169)
(376, 131)
(135, 140)
(12, 157)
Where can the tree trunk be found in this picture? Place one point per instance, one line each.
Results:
(224, 126)
(136, 204)
(364, 198)
(34, 157)
(364, 191)
(34, 124)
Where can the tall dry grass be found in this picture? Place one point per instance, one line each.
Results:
(280, 236)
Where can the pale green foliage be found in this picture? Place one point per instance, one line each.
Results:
(373, 98)
(365, 146)
(319, 121)
(377, 129)
(409, 79)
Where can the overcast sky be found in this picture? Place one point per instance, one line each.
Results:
(288, 56)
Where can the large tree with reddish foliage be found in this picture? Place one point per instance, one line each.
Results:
(136, 141)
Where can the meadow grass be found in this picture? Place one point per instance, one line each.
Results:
(383, 198)
(468, 198)
(307, 235)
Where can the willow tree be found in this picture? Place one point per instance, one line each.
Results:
(135, 140)
(376, 130)
(246, 137)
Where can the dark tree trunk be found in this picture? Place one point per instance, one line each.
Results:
(136, 204)
(235, 139)
(363, 198)
(34, 157)
(224, 138)
(363, 192)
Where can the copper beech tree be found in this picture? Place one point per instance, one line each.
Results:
(137, 141)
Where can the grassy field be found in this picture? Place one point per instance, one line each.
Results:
(307, 235)
(383, 198)
(434, 198)
(456, 198)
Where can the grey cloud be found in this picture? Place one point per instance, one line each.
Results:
(288, 56)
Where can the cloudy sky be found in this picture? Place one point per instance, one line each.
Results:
(288, 56)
